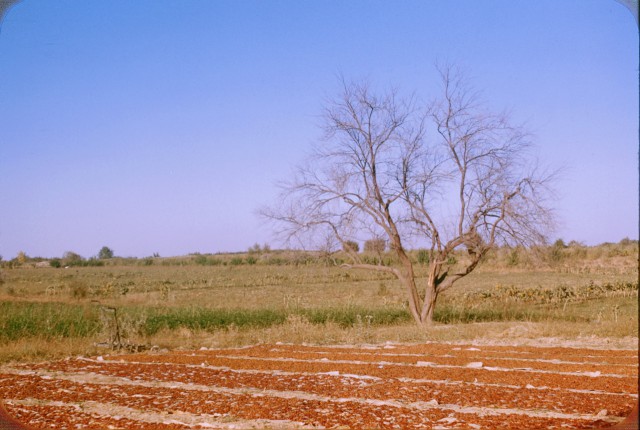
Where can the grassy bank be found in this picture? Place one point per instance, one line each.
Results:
(76, 326)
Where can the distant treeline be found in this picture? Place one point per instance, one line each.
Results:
(557, 254)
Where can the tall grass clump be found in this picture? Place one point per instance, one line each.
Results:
(210, 319)
(451, 314)
(20, 320)
(354, 315)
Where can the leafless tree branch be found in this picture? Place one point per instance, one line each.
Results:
(450, 173)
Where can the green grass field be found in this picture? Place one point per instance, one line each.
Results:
(191, 302)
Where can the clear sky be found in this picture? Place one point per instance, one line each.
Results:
(161, 126)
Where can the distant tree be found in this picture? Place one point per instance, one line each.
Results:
(377, 246)
(453, 175)
(351, 246)
(105, 253)
(70, 258)
(21, 257)
(257, 249)
(559, 244)
(624, 242)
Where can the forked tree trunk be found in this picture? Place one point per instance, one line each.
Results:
(407, 277)
(421, 309)
(429, 305)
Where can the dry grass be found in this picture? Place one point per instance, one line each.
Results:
(220, 305)
(300, 332)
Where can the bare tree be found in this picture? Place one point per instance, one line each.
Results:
(451, 176)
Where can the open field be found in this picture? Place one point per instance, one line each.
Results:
(552, 345)
(235, 300)
(434, 385)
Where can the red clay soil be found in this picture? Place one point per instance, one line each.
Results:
(437, 386)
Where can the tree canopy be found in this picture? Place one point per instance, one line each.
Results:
(448, 174)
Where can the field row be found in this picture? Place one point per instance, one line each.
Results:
(276, 386)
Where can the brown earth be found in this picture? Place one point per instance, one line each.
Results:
(435, 385)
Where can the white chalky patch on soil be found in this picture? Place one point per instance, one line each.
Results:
(177, 417)
(485, 357)
(94, 378)
(444, 366)
(354, 376)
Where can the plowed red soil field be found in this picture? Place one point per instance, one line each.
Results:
(429, 386)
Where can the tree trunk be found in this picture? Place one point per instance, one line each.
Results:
(407, 277)
(429, 305)
(421, 310)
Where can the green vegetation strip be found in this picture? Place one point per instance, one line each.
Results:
(46, 320)
(210, 319)
(51, 320)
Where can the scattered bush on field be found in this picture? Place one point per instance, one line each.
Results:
(78, 289)
(21, 257)
(236, 261)
(513, 258)
(251, 260)
(70, 258)
(423, 256)
(256, 249)
(203, 260)
(351, 246)
(376, 245)
(559, 294)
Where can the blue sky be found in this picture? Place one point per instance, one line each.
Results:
(161, 126)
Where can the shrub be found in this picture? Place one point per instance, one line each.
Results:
(70, 258)
(92, 262)
(351, 246)
(78, 289)
(201, 260)
(21, 257)
(423, 256)
(251, 260)
(105, 253)
(256, 249)
(236, 261)
(559, 244)
(375, 245)
(555, 254)
(513, 258)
